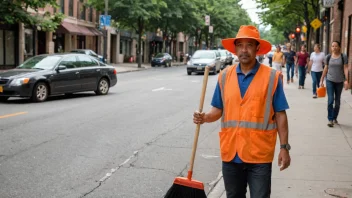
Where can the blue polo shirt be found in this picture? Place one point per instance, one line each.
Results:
(279, 100)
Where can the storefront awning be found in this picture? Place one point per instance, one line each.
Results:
(70, 28)
(96, 32)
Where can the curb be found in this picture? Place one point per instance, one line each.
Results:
(218, 189)
(144, 68)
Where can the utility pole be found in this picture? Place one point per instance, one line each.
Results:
(106, 32)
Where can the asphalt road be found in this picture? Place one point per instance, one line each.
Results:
(131, 143)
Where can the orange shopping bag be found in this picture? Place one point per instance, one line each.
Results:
(321, 92)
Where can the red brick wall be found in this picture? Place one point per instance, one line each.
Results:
(347, 36)
(335, 26)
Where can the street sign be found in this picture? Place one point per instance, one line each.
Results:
(207, 20)
(304, 29)
(328, 3)
(211, 29)
(316, 23)
(104, 21)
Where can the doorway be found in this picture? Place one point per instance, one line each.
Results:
(41, 42)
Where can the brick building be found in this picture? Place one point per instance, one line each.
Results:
(338, 27)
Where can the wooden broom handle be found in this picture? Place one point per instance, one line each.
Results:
(196, 135)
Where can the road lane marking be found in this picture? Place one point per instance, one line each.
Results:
(161, 89)
(12, 115)
(209, 156)
(113, 170)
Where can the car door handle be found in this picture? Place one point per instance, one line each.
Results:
(98, 70)
(77, 72)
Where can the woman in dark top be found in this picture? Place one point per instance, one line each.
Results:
(336, 70)
(301, 64)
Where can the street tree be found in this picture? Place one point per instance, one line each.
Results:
(26, 11)
(285, 15)
(135, 14)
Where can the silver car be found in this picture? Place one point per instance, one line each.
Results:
(202, 58)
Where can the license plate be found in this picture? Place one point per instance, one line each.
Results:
(1, 89)
(200, 68)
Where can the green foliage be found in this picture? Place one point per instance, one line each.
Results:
(13, 12)
(285, 15)
(273, 35)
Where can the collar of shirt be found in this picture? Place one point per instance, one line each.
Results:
(253, 71)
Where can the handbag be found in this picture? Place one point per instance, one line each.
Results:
(321, 92)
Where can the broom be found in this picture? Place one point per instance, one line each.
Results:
(187, 187)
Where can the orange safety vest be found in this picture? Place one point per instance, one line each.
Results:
(248, 126)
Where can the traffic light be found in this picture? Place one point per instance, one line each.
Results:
(292, 36)
(298, 30)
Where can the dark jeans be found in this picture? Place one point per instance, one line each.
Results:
(316, 76)
(302, 75)
(290, 68)
(271, 61)
(237, 175)
(334, 91)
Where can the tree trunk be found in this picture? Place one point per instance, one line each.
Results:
(139, 54)
(306, 19)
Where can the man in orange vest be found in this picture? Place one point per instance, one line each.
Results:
(251, 103)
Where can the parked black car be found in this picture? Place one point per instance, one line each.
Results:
(45, 75)
(162, 59)
(90, 53)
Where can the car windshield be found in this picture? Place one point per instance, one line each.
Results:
(78, 51)
(223, 53)
(204, 55)
(159, 56)
(40, 62)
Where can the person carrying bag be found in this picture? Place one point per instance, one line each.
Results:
(336, 71)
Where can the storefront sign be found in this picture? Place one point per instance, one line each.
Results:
(328, 3)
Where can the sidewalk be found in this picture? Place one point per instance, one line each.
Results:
(321, 157)
(130, 67)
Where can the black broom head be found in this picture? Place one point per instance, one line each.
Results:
(185, 188)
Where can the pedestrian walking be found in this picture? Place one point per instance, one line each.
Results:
(316, 67)
(251, 103)
(302, 61)
(336, 70)
(278, 59)
(289, 61)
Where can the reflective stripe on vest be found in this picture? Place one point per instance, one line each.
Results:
(245, 124)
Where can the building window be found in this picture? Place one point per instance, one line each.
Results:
(7, 47)
(90, 14)
(62, 6)
(28, 43)
(83, 12)
(97, 16)
(349, 43)
(70, 8)
(181, 47)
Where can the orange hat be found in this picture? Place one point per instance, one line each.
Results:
(247, 31)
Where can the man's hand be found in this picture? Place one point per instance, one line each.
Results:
(284, 159)
(198, 118)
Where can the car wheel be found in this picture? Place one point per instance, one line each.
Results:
(153, 65)
(103, 87)
(3, 98)
(40, 92)
(189, 73)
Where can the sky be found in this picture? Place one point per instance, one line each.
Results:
(250, 6)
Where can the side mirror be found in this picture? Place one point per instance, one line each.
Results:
(61, 67)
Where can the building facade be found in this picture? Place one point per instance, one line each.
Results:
(337, 26)
(80, 30)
